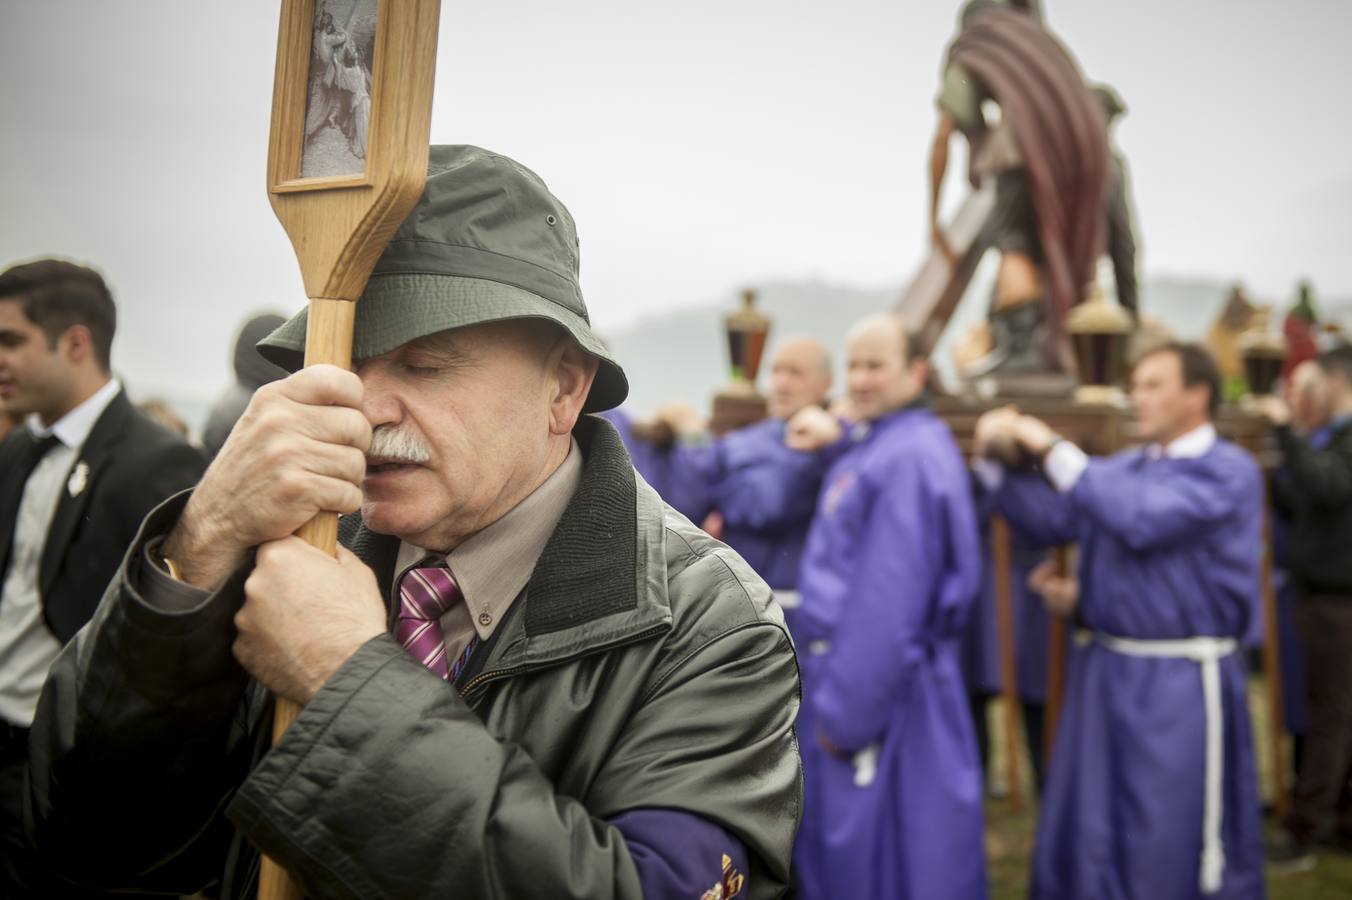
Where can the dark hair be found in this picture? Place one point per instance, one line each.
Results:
(56, 295)
(1199, 368)
(1338, 359)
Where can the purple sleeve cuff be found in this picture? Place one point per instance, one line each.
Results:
(682, 856)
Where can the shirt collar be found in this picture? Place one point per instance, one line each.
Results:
(492, 566)
(1195, 443)
(73, 428)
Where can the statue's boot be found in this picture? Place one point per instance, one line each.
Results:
(1018, 364)
(1019, 335)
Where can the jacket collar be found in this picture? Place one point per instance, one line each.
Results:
(601, 580)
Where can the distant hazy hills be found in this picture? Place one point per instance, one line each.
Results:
(682, 355)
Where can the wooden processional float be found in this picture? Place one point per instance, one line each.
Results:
(347, 161)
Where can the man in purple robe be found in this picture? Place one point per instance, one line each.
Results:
(1154, 790)
(764, 492)
(892, 565)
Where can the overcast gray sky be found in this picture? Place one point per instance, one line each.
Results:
(700, 145)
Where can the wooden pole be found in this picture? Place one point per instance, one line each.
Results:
(1009, 674)
(1056, 666)
(328, 339)
(1272, 670)
(339, 224)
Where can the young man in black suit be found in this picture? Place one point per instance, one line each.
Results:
(74, 486)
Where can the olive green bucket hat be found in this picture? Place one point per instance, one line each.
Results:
(486, 242)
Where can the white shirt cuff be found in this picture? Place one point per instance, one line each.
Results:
(1064, 465)
(989, 472)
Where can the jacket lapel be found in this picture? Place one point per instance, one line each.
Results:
(19, 455)
(90, 461)
(601, 581)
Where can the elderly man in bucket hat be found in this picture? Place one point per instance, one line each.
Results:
(523, 676)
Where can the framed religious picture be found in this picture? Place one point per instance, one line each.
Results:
(338, 96)
(351, 113)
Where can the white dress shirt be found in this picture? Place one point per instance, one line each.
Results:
(27, 646)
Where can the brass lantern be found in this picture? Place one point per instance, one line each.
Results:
(739, 403)
(747, 330)
(1263, 352)
(1099, 334)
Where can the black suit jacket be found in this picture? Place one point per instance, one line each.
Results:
(133, 465)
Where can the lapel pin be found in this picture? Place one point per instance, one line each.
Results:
(79, 478)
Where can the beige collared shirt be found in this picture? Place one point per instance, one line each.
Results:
(493, 566)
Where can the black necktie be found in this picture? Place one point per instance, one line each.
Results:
(36, 451)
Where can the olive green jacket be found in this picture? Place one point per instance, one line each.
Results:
(643, 666)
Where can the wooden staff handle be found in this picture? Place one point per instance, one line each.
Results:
(1009, 671)
(1056, 668)
(328, 340)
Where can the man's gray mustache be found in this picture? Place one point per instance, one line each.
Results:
(390, 444)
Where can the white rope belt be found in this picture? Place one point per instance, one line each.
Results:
(1207, 652)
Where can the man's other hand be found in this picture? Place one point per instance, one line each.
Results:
(298, 450)
(304, 614)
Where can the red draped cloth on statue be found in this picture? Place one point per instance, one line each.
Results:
(1060, 130)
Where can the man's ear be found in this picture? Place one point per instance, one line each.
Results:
(76, 343)
(573, 370)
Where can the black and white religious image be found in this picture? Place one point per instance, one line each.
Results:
(338, 110)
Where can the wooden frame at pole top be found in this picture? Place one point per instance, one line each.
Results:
(340, 224)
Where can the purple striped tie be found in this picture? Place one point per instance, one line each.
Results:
(425, 594)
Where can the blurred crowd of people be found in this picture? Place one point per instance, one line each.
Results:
(860, 512)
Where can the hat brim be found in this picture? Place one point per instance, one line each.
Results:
(398, 308)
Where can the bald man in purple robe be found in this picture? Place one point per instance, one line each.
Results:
(892, 787)
(1153, 790)
(763, 491)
